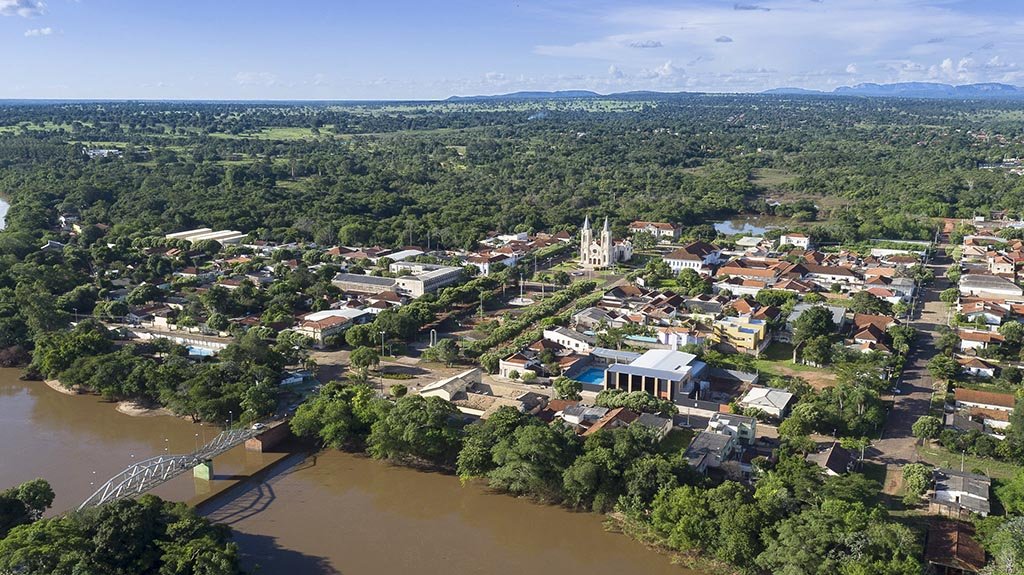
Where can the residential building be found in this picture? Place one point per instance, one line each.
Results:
(801, 241)
(774, 402)
(977, 367)
(834, 459)
(951, 549)
(661, 426)
(975, 339)
(699, 256)
(968, 398)
(742, 427)
(709, 450)
(583, 415)
(957, 492)
(660, 230)
(741, 334)
(614, 419)
(321, 325)
(570, 338)
(983, 285)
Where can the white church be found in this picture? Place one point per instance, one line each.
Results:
(602, 251)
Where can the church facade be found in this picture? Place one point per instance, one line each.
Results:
(602, 251)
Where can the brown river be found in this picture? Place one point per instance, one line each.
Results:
(328, 513)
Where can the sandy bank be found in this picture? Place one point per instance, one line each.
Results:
(56, 386)
(136, 409)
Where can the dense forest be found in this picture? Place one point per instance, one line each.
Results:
(394, 174)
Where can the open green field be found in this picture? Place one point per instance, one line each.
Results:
(771, 178)
(777, 359)
(941, 457)
(677, 440)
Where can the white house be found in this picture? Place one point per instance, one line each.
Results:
(972, 339)
(982, 285)
(570, 339)
(695, 255)
(957, 491)
(797, 240)
(741, 427)
(968, 398)
(977, 367)
(774, 402)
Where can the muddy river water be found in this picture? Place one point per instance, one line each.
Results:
(326, 513)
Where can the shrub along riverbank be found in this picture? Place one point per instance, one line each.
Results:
(796, 520)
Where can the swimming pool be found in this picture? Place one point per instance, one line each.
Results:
(591, 376)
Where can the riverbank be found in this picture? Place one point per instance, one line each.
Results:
(56, 385)
(136, 409)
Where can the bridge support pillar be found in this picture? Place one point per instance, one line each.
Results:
(204, 470)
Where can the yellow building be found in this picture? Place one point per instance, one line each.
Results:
(741, 334)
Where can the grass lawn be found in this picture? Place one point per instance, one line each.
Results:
(941, 457)
(677, 440)
(771, 177)
(777, 359)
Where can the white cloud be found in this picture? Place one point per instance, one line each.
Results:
(256, 79)
(23, 8)
(645, 44)
(813, 44)
(38, 32)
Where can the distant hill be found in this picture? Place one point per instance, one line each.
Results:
(986, 91)
(915, 90)
(560, 94)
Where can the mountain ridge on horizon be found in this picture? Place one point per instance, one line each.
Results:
(926, 90)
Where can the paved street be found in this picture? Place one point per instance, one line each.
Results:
(897, 445)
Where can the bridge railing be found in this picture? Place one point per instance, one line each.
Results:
(142, 476)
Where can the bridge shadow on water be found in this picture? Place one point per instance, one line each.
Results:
(250, 498)
(262, 554)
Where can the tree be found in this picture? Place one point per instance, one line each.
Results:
(445, 351)
(916, 478)
(531, 461)
(567, 388)
(340, 415)
(146, 535)
(865, 302)
(419, 429)
(1006, 546)
(24, 504)
(1012, 332)
(927, 427)
(643, 241)
(364, 357)
(475, 458)
(813, 322)
(943, 367)
(1011, 494)
(840, 537)
(950, 296)
(562, 278)
(817, 350)
(948, 340)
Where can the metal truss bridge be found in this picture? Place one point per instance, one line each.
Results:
(145, 475)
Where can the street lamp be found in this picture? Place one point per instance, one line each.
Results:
(382, 332)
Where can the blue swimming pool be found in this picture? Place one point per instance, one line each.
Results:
(591, 376)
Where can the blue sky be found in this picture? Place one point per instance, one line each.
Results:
(320, 49)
